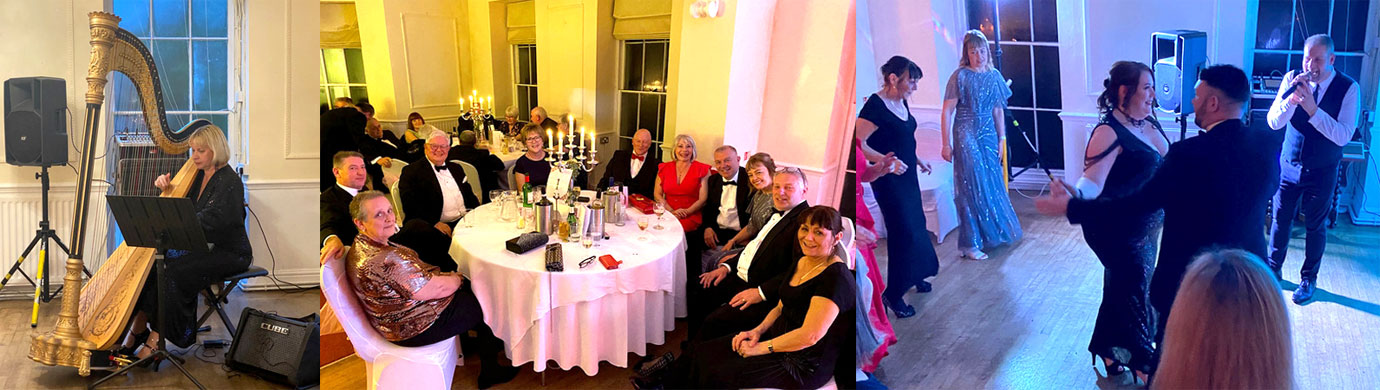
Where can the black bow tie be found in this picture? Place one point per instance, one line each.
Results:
(778, 212)
(729, 182)
(440, 168)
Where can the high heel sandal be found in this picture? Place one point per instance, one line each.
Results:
(973, 254)
(139, 339)
(156, 361)
(1113, 368)
(899, 307)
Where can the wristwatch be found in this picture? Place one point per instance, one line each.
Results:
(770, 349)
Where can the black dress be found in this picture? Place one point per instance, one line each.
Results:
(1126, 247)
(910, 254)
(714, 364)
(220, 210)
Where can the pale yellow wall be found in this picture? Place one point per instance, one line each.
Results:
(280, 111)
(415, 58)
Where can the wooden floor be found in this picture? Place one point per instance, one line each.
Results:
(19, 372)
(349, 373)
(1022, 319)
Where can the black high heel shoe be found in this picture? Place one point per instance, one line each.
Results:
(139, 339)
(156, 361)
(1113, 368)
(898, 306)
(924, 287)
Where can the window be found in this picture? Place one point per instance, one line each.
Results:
(1028, 55)
(342, 75)
(642, 94)
(190, 45)
(1282, 26)
(525, 78)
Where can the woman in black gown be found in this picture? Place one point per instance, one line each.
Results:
(816, 303)
(1122, 154)
(218, 196)
(886, 126)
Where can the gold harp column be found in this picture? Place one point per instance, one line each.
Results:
(65, 345)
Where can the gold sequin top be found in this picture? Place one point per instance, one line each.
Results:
(384, 277)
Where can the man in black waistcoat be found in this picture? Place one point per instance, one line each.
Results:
(1318, 118)
(635, 169)
(1212, 187)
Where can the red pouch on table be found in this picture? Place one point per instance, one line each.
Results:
(609, 262)
(641, 203)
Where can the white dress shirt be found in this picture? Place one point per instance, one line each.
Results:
(454, 203)
(1338, 130)
(750, 251)
(636, 165)
(353, 192)
(728, 203)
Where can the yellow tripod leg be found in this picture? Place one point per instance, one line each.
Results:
(33, 319)
(1005, 167)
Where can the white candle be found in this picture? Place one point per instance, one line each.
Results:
(593, 148)
(560, 142)
(549, 138)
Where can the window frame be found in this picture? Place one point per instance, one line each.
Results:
(1034, 107)
(658, 140)
(330, 93)
(520, 89)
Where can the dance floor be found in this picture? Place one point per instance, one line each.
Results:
(1022, 319)
(206, 365)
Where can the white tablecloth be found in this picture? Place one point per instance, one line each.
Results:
(578, 317)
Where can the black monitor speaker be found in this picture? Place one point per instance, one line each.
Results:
(35, 121)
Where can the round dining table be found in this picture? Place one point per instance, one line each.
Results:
(580, 316)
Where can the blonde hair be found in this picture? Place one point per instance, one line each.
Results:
(1229, 328)
(694, 151)
(974, 37)
(212, 138)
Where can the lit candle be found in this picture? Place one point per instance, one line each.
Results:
(560, 142)
(462, 102)
(549, 138)
(491, 102)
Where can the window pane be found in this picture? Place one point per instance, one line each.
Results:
(1310, 18)
(128, 124)
(1349, 65)
(1272, 25)
(354, 64)
(172, 62)
(531, 98)
(654, 65)
(170, 18)
(1046, 21)
(209, 75)
(359, 94)
(647, 112)
(1051, 142)
(627, 114)
(325, 100)
(624, 143)
(336, 69)
(1047, 78)
(176, 121)
(1019, 154)
(123, 96)
(982, 16)
(1015, 62)
(208, 18)
(1349, 25)
(220, 120)
(1269, 64)
(524, 62)
(337, 92)
(134, 16)
(632, 66)
(1015, 20)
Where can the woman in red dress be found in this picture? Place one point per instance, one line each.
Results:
(681, 184)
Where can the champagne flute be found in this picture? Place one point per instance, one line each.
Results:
(660, 209)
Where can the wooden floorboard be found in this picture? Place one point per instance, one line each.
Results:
(1022, 319)
(17, 371)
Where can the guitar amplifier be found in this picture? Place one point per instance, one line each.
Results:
(276, 348)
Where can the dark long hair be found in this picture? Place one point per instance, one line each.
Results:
(1123, 74)
(412, 116)
(899, 66)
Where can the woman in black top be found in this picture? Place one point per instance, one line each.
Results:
(885, 126)
(1123, 153)
(218, 195)
(532, 166)
(816, 303)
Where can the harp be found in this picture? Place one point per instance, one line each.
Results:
(94, 317)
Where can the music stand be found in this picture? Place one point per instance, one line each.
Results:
(159, 223)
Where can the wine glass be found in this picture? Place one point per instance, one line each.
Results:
(660, 209)
(587, 242)
(642, 225)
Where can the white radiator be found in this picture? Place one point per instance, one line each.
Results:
(21, 208)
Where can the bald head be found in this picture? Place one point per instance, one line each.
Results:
(642, 141)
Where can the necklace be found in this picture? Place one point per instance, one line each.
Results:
(1138, 123)
(812, 270)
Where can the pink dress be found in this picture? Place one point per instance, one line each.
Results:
(682, 194)
(877, 313)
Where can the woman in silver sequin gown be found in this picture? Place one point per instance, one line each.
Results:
(974, 101)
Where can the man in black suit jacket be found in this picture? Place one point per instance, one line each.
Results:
(538, 116)
(1212, 187)
(431, 195)
(337, 229)
(769, 255)
(634, 169)
(341, 130)
(379, 152)
(724, 213)
(487, 164)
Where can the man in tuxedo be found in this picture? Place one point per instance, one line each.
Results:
(341, 130)
(487, 164)
(336, 227)
(538, 116)
(725, 211)
(1212, 187)
(634, 169)
(736, 279)
(433, 190)
(379, 152)
(1319, 117)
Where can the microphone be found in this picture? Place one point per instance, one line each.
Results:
(1291, 88)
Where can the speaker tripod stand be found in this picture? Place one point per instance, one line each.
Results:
(45, 232)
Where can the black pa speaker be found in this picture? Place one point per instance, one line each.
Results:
(276, 348)
(35, 121)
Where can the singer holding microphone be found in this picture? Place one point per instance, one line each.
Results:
(1318, 113)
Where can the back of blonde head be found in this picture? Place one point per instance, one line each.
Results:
(1229, 328)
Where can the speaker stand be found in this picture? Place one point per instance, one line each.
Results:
(45, 232)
